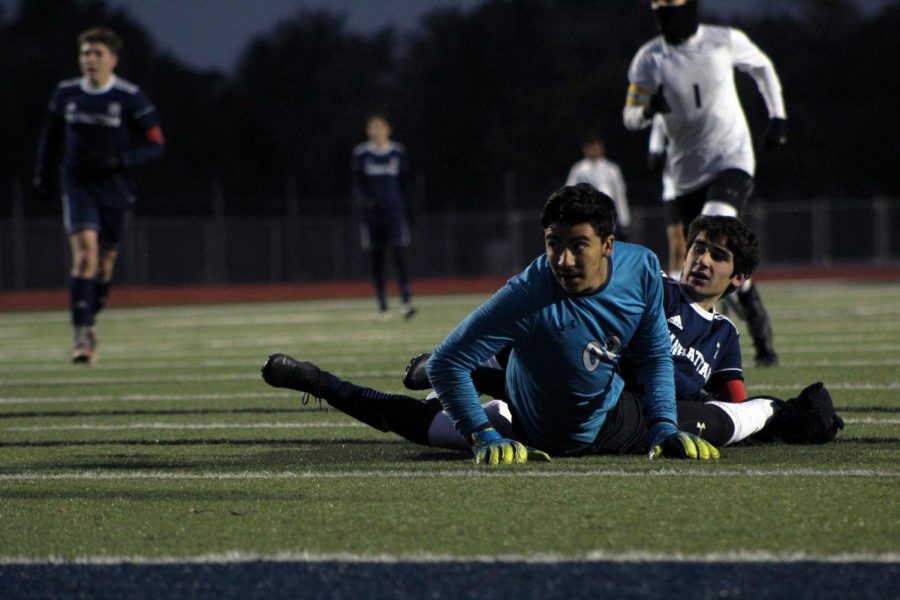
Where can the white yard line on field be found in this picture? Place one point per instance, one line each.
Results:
(97, 475)
(178, 426)
(126, 398)
(245, 375)
(891, 385)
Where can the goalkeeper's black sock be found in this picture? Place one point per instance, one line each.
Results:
(405, 416)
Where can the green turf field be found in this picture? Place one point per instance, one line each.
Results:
(171, 446)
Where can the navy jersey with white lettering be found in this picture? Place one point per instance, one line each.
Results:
(706, 350)
(561, 377)
(380, 180)
(114, 120)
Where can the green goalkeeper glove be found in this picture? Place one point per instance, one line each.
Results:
(490, 448)
(685, 445)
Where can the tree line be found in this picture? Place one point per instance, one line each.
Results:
(491, 103)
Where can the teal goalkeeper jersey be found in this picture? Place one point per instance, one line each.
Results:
(561, 377)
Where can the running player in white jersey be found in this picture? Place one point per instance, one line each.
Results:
(687, 75)
(606, 176)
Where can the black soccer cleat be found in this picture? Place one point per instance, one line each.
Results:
(416, 377)
(807, 419)
(766, 358)
(85, 348)
(280, 370)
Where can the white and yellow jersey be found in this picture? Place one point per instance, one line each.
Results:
(706, 128)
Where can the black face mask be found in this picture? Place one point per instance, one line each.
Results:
(677, 23)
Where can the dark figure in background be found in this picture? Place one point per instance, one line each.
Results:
(97, 127)
(380, 172)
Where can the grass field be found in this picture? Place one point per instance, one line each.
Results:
(171, 448)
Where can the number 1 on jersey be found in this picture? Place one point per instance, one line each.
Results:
(697, 95)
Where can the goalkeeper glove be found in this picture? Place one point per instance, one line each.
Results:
(685, 445)
(490, 448)
(776, 134)
(657, 104)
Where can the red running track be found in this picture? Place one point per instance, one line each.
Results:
(216, 294)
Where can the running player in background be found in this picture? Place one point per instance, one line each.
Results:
(380, 181)
(97, 128)
(606, 176)
(687, 76)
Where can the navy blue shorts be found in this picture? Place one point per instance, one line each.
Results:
(88, 209)
(380, 233)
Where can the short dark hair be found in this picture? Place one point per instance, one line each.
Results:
(581, 203)
(379, 116)
(592, 137)
(101, 35)
(738, 236)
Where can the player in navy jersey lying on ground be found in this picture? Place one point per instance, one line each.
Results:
(97, 128)
(709, 382)
(568, 318)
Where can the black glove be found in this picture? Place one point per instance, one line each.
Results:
(656, 162)
(97, 165)
(657, 104)
(776, 134)
(47, 189)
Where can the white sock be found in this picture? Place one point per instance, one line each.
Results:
(748, 417)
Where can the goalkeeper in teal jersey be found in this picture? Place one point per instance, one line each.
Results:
(568, 318)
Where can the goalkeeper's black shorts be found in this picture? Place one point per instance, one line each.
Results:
(625, 430)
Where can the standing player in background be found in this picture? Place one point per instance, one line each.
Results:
(380, 173)
(687, 75)
(97, 127)
(606, 176)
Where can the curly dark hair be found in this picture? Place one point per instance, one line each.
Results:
(581, 203)
(738, 236)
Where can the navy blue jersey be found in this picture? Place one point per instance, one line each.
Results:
(706, 350)
(561, 377)
(112, 121)
(380, 181)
